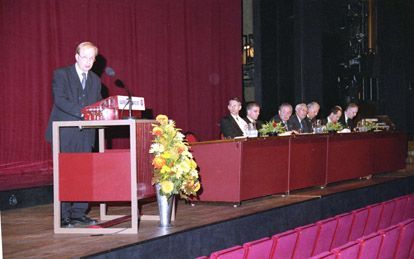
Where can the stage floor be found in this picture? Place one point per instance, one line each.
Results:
(28, 232)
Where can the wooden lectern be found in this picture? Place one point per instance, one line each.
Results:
(109, 175)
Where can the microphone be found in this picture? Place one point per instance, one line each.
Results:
(109, 71)
(118, 83)
(121, 84)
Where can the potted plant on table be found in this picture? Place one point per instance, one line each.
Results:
(272, 128)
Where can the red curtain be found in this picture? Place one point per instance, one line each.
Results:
(182, 56)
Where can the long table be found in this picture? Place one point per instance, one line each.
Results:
(243, 169)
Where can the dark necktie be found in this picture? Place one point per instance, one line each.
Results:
(83, 82)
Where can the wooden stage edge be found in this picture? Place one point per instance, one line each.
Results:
(28, 232)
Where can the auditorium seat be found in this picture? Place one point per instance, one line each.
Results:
(358, 223)
(409, 210)
(399, 210)
(374, 216)
(325, 235)
(235, 252)
(284, 244)
(370, 245)
(342, 230)
(261, 248)
(386, 214)
(305, 240)
(190, 137)
(358, 234)
(347, 251)
(390, 237)
(324, 255)
(405, 241)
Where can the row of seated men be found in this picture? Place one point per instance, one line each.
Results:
(302, 121)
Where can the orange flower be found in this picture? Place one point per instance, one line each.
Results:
(157, 131)
(158, 162)
(274, 124)
(162, 119)
(180, 148)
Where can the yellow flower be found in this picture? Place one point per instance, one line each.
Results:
(197, 186)
(166, 155)
(193, 164)
(165, 169)
(162, 119)
(167, 187)
(158, 162)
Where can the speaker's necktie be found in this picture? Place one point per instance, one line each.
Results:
(83, 82)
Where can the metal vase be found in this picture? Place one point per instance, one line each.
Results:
(165, 207)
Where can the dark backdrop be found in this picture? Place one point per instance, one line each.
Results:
(182, 56)
(299, 45)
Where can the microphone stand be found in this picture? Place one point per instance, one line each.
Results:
(130, 117)
(120, 84)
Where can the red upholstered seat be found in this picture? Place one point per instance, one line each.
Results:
(409, 208)
(324, 255)
(306, 240)
(399, 210)
(261, 248)
(386, 215)
(343, 230)
(235, 252)
(389, 241)
(358, 223)
(374, 215)
(325, 235)
(370, 245)
(284, 244)
(190, 137)
(347, 251)
(405, 241)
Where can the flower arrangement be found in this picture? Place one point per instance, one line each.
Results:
(333, 127)
(272, 128)
(174, 167)
(368, 125)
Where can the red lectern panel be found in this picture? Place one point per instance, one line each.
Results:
(389, 150)
(95, 176)
(264, 167)
(308, 161)
(220, 169)
(349, 156)
(237, 170)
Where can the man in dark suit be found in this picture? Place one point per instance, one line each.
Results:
(233, 125)
(75, 87)
(299, 122)
(252, 115)
(349, 115)
(284, 113)
(334, 116)
(313, 110)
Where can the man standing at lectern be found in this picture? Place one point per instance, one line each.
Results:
(75, 87)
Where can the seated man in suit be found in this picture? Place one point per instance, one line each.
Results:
(349, 115)
(299, 122)
(334, 115)
(233, 125)
(313, 110)
(284, 113)
(253, 112)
